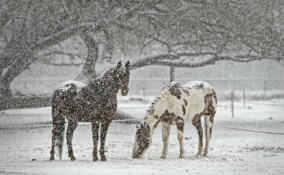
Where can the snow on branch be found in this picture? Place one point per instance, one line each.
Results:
(137, 30)
(64, 34)
(44, 58)
(176, 61)
(58, 52)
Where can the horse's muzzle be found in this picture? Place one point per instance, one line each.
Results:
(124, 92)
(136, 156)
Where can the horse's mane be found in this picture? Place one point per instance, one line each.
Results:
(165, 89)
(107, 72)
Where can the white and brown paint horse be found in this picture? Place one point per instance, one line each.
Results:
(176, 105)
(95, 102)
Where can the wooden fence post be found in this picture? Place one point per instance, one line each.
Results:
(244, 98)
(232, 103)
(264, 89)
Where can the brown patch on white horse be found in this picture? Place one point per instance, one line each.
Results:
(183, 110)
(186, 91)
(175, 90)
(185, 102)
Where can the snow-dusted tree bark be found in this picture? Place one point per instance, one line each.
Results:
(89, 67)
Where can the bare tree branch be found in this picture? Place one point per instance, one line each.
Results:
(176, 61)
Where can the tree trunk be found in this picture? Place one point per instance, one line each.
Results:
(5, 91)
(108, 46)
(21, 63)
(89, 68)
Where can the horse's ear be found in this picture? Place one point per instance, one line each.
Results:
(137, 126)
(127, 64)
(119, 64)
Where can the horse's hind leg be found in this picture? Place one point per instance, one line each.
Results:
(198, 126)
(54, 133)
(95, 131)
(104, 128)
(165, 134)
(180, 128)
(70, 129)
(208, 132)
(60, 137)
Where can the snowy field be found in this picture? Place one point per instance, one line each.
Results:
(250, 143)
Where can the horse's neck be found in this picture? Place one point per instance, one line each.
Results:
(104, 83)
(156, 110)
(151, 121)
(111, 83)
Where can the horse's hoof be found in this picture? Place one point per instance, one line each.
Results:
(198, 155)
(51, 158)
(103, 159)
(95, 159)
(73, 158)
(181, 157)
(163, 157)
(205, 154)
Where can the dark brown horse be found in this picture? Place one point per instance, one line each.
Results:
(95, 102)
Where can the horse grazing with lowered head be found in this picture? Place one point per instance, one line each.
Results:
(176, 105)
(95, 102)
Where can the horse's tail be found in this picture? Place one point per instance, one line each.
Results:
(58, 124)
(60, 138)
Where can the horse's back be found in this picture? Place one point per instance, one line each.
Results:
(200, 94)
(63, 96)
(66, 85)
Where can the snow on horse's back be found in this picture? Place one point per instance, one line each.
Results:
(64, 86)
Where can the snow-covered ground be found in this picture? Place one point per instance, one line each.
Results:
(250, 143)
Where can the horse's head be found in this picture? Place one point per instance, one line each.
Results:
(123, 73)
(142, 140)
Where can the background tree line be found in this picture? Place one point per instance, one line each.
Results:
(184, 33)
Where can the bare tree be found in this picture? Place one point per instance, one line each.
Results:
(184, 33)
(200, 33)
(28, 27)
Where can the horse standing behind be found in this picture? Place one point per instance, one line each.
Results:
(95, 102)
(176, 105)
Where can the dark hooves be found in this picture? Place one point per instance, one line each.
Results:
(103, 159)
(51, 158)
(95, 159)
(73, 158)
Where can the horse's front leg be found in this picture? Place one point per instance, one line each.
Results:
(165, 134)
(103, 133)
(72, 124)
(95, 131)
(180, 128)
